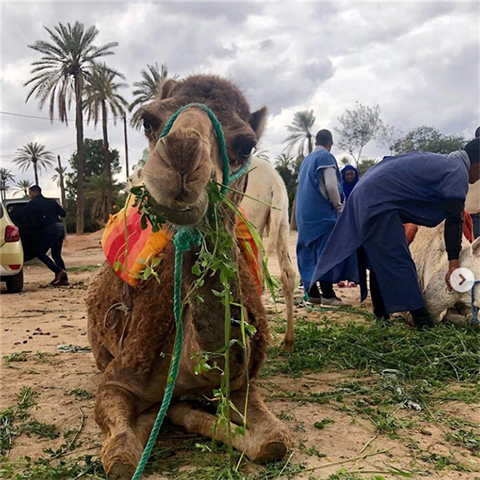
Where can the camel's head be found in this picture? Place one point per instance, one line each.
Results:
(181, 164)
(470, 259)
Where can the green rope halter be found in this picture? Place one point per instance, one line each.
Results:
(184, 240)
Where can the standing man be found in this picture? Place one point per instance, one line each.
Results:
(47, 212)
(419, 187)
(318, 206)
(473, 201)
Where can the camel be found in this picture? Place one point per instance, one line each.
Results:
(472, 203)
(428, 253)
(177, 174)
(269, 214)
(264, 183)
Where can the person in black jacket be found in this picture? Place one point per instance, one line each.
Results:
(476, 216)
(47, 212)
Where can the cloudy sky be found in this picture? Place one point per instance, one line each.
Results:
(419, 61)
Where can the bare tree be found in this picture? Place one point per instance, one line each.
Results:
(388, 137)
(358, 127)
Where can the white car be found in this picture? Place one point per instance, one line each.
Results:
(11, 253)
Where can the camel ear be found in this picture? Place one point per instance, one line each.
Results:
(476, 247)
(166, 87)
(258, 120)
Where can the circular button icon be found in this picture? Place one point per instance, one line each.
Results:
(462, 280)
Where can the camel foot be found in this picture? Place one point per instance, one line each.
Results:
(120, 455)
(271, 452)
(287, 346)
(120, 471)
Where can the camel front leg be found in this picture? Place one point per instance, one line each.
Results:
(287, 279)
(116, 414)
(265, 439)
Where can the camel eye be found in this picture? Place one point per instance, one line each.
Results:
(146, 125)
(245, 148)
(245, 152)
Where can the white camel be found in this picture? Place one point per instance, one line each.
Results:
(428, 253)
(270, 216)
(472, 204)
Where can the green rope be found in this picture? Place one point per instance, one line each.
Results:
(217, 126)
(184, 240)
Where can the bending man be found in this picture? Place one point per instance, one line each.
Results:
(46, 212)
(421, 188)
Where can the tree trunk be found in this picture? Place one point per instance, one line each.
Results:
(309, 140)
(35, 171)
(62, 190)
(126, 144)
(358, 159)
(62, 183)
(108, 169)
(80, 155)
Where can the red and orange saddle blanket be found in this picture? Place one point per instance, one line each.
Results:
(411, 229)
(129, 249)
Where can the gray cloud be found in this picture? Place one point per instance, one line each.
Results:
(418, 61)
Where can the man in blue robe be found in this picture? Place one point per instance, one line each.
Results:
(476, 216)
(318, 206)
(421, 188)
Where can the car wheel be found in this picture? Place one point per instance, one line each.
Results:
(15, 283)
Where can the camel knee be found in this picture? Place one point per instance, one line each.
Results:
(101, 354)
(115, 409)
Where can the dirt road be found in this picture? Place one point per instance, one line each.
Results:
(47, 361)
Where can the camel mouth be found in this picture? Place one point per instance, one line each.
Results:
(183, 216)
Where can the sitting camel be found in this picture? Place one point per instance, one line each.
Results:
(270, 217)
(428, 253)
(177, 174)
(265, 184)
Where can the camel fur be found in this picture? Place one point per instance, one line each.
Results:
(472, 203)
(177, 174)
(428, 253)
(270, 217)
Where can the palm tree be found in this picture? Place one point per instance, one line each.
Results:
(34, 154)
(300, 130)
(60, 75)
(300, 133)
(6, 177)
(97, 190)
(146, 90)
(23, 187)
(101, 95)
(284, 161)
(56, 177)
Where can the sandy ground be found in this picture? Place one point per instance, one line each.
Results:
(43, 320)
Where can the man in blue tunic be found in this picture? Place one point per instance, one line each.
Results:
(476, 216)
(421, 188)
(318, 206)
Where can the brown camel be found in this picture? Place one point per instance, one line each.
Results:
(177, 174)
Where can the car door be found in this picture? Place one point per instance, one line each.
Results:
(30, 231)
